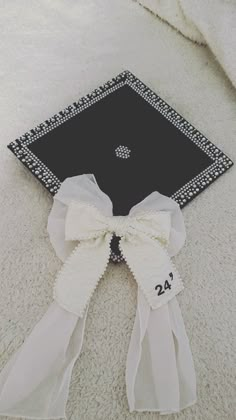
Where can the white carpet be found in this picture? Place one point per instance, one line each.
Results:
(51, 53)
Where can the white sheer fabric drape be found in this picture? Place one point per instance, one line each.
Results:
(160, 374)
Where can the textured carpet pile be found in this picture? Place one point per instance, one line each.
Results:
(53, 52)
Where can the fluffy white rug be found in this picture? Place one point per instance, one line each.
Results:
(210, 22)
(52, 52)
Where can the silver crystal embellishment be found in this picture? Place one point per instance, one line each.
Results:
(122, 152)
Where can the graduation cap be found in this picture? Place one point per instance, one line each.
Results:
(130, 139)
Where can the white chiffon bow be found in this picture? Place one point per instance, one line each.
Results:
(159, 373)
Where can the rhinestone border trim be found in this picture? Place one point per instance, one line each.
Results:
(220, 162)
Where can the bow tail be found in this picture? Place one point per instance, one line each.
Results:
(160, 373)
(81, 273)
(35, 382)
(152, 268)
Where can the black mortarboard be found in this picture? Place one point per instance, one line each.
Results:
(130, 139)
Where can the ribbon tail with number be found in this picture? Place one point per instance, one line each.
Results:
(160, 373)
(152, 268)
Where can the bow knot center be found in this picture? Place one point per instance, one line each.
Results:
(118, 225)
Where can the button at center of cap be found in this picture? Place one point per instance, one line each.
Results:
(122, 152)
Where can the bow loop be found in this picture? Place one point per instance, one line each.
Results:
(156, 225)
(83, 222)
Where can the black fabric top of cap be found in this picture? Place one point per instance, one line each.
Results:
(130, 139)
